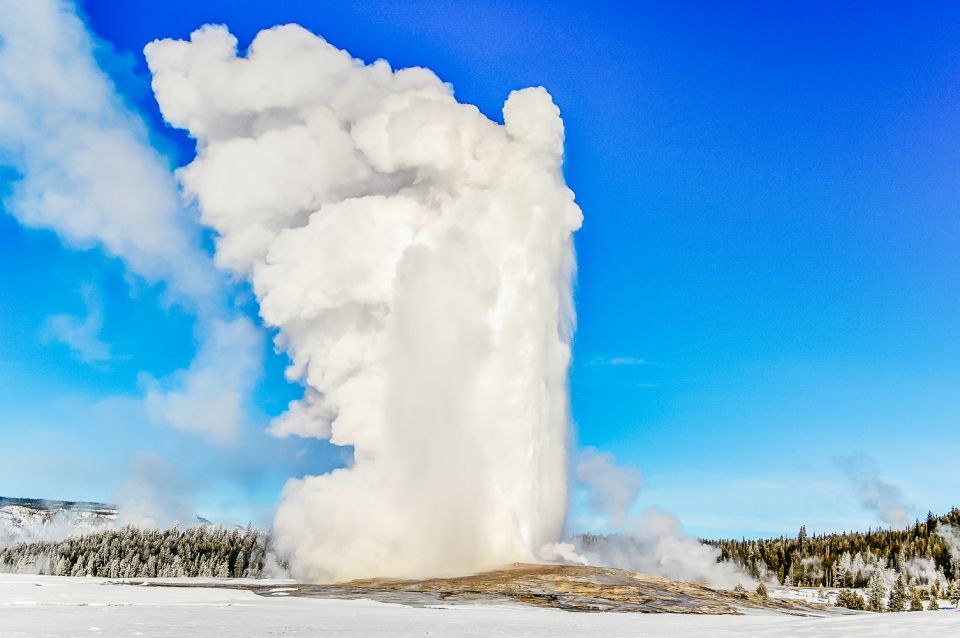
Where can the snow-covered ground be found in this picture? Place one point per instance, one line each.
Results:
(828, 596)
(816, 595)
(39, 606)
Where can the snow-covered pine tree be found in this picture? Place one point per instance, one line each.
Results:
(942, 582)
(844, 577)
(877, 591)
(898, 597)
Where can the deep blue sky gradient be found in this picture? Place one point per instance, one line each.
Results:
(769, 267)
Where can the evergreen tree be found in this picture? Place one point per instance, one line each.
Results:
(934, 601)
(877, 591)
(916, 600)
(955, 593)
(851, 599)
(762, 590)
(898, 598)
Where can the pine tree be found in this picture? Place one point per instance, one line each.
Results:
(851, 599)
(898, 598)
(934, 603)
(877, 591)
(955, 592)
(916, 600)
(762, 590)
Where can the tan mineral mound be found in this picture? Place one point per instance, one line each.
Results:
(570, 587)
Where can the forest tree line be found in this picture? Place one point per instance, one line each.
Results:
(928, 552)
(132, 552)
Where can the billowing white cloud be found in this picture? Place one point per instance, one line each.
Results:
(416, 258)
(87, 171)
(87, 168)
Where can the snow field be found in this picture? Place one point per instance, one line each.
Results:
(51, 606)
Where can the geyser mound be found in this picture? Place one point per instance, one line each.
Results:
(416, 259)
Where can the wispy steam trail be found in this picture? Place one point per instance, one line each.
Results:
(651, 541)
(416, 258)
(876, 495)
(611, 489)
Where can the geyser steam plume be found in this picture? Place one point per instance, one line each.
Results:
(416, 259)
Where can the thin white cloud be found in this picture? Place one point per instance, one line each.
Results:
(625, 361)
(81, 334)
(618, 361)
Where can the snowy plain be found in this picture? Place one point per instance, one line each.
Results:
(56, 606)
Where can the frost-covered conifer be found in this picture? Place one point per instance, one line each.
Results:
(877, 591)
(850, 599)
(916, 600)
(898, 597)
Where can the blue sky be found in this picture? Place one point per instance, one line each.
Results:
(768, 266)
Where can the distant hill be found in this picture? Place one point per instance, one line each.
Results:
(36, 519)
(41, 504)
(31, 519)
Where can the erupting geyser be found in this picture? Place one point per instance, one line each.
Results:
(416, 258)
